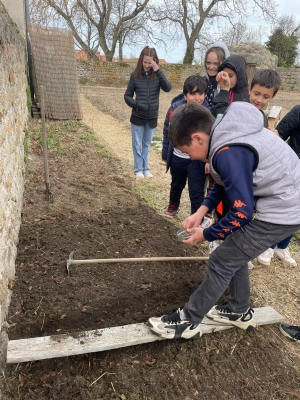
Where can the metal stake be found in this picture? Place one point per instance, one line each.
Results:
(49, 194)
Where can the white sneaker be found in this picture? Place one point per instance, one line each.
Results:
(266, 257)
(250, 265)
(207, 222)
(285, 256)
(148, 175)
(139, 175)
(213, 245)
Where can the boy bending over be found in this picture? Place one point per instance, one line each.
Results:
(260, 176)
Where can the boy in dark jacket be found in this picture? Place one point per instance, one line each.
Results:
(181, 166)
(289, 129)
(236, 69)
(242, 154)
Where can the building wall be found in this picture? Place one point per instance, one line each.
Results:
(90, 72)
(16, 10)
(13, 119)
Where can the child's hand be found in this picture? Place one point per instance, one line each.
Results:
(223, 80)
(274, 131)
(154, 65)
(207, 168)
(191, 221)
(197, 236)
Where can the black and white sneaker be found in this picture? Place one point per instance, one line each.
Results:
(225, 315)
(172, 327)
(290, 331)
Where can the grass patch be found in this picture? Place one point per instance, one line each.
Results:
(26, 144)
(156, 139)
(103, 150)
(147, 192)
(88, 136)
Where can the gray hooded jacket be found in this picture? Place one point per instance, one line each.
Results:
(276, 180)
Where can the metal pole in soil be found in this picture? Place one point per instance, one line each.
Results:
(49, 194)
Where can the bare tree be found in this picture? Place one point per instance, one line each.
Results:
(240, 32)
(289, 25)
(94, 23)
(195, 16)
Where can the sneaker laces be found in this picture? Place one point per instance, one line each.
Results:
(246, 316)
(171, 207)
(172, 318)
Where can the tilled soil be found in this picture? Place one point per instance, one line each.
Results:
(98, 214)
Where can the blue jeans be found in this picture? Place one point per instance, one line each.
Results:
(141, 142)
(283, 244)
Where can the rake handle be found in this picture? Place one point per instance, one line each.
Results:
(123, 260)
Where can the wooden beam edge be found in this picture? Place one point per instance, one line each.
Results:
(39, 348)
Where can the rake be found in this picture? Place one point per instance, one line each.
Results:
(129, 260)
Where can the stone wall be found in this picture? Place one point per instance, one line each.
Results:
(96, 72)
(255, 54)
(16, 10)
(290, 79)
(13, 118)
(118, 74)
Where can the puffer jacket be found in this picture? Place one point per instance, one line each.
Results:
(289, 129)
(276, 178)
(146, 102)
(167, 147)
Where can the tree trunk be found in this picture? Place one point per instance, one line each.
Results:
(189, 54)
(120, 51)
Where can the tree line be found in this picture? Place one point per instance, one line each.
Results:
(112, 25)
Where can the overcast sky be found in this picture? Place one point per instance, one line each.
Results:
(288, 7)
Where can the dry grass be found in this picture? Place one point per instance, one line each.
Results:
(276, 285)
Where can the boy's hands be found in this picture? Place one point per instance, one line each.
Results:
(191, 225)
(196, 238)
(223, 80)
(207, 168)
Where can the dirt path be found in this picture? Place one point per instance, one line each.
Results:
(116, 134)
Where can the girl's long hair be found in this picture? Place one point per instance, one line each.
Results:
(147, 51)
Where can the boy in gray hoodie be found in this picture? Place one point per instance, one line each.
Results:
(242, 154)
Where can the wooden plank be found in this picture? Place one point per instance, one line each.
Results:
(275, 111)
(40, 348)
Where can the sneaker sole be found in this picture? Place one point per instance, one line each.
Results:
(246, 326)
(264, 262)
(286, 262)
(250, 265)
(287, 335)
(170, 216)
